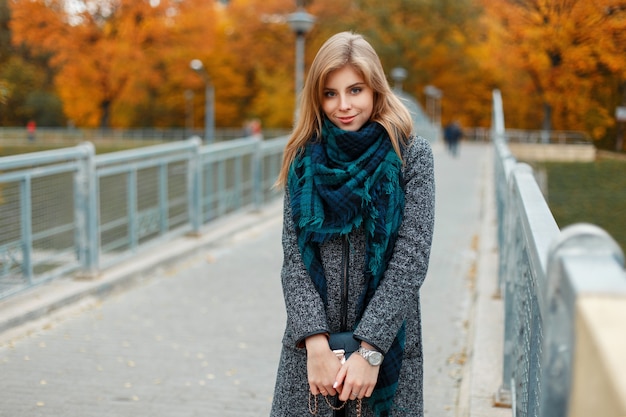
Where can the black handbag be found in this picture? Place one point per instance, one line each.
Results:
(344, 341)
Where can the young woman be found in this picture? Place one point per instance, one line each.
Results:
(358, 223)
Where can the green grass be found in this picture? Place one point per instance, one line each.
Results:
(589, 192)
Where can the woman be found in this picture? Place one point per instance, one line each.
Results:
(358, 220)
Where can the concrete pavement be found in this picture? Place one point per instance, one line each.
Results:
(194, 327)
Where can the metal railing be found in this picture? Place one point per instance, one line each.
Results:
(73, 135)
(71, 211)
(561, 137)
(543, 273)
(554, 137)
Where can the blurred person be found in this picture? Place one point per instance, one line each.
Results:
(31, 128)
(452, 134)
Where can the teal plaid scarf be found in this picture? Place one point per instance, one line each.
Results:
(341, 181)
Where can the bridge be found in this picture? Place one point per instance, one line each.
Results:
(171, 305)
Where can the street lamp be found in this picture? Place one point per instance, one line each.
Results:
(209, 100)
(301, 23)
(434, 102)
(398, 74)
(188, 112)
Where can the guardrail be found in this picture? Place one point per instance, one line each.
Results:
(545, 276)
(74, 135)
(71, 211)
(562, 137)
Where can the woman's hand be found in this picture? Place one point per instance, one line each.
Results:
(322, 365)
(357, 378)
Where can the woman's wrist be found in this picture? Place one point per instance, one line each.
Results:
(368, 346)
(316, 341)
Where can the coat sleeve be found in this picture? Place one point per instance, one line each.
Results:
(395, 297)
(306, 315)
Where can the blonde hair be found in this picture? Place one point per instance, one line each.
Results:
(345, 48)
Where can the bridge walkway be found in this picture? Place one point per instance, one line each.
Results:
(193, 328)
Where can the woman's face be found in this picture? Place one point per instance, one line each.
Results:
(347, 101)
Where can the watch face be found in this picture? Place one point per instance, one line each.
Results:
(375, 358)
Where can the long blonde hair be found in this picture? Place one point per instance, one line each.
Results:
(345, 48)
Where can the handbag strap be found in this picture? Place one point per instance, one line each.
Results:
(314, 406)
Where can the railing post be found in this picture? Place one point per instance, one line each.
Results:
(194, 185)
(257, 173)
(163, 199)
(86, 205)
(26, 215)
(132, 213)
(497, 117)
(504, 164)
(584, 258)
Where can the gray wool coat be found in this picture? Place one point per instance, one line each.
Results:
(396, 300)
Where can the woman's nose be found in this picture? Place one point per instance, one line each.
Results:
(345, 102)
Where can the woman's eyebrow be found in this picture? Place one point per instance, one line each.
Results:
(357, 84)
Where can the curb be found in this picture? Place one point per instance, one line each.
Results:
(483, 373)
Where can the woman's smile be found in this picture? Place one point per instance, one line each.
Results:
(346, 120)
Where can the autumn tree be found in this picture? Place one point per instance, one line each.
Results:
(255, 37)
(572, 54)
(26, 87)
(112, 55)
(126, 63)
(436, 41)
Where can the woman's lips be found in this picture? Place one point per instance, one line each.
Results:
(346, 120)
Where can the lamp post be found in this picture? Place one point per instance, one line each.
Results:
(209, 100)
(434, 102)
(301, 23)
(188, 112)
(398, 74)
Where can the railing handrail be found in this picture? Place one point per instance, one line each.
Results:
(583, 260)
(573, 137)
(120, 157)
(543, 273)
(538, 225)
(43, 157)
(69, 135)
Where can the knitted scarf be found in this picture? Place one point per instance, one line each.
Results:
(339, 182)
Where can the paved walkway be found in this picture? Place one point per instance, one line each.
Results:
(199, 333)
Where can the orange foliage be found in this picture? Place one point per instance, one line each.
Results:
(571, 52)
(113, 54)
(437, 43)
(126, 63)
(134, 54)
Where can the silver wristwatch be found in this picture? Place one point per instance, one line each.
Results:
(373, 357)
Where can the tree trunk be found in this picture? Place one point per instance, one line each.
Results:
(105, 107)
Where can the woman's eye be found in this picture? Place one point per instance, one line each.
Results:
(329, 94)
(356, 90)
